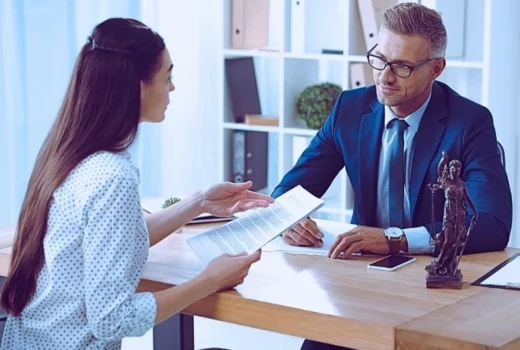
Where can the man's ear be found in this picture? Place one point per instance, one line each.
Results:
(438, 67)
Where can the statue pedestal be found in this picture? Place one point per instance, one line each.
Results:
(448, 281)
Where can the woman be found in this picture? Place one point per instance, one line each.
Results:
(82, 240)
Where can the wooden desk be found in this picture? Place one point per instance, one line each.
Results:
(344, 303)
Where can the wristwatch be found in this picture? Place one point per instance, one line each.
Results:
(395, 237)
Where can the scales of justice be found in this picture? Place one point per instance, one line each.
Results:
(443, 272)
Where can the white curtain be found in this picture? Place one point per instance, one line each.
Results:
(39, 42)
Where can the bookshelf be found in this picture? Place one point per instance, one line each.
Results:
(284, 69)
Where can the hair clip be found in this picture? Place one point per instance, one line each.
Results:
(94, 46)
(92, 42)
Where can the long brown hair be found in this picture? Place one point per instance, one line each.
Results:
(100, 112)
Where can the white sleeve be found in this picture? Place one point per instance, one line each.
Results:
(418, 240)
(115, 250)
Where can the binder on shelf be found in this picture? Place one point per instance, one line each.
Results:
(371, 14)
(297, 26)
(242, 87)
(250, 24)
(249, 158)
(360, 75)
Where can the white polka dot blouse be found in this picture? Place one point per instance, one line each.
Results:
(95, 250)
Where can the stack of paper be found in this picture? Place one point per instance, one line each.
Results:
(251, 232)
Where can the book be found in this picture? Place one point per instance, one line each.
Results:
(257, 119)
(258, 227)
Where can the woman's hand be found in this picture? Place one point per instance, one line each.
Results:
(228, 271)
(227, 198)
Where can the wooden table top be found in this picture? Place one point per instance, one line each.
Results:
(342, 302)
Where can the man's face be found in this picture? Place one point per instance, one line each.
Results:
(395, 91)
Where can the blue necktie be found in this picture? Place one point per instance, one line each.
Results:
(396, 174)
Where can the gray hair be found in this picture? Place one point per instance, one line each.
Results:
(416, 19)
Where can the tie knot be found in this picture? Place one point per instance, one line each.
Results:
(398, 124)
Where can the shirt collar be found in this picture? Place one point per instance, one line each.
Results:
(413, 119)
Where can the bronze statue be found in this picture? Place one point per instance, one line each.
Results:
(443, 272)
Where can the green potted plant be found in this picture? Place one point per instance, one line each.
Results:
(315, 103)
(170, 201)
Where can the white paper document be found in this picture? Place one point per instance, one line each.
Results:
(330, 230)
(254, 230)
(507, 276)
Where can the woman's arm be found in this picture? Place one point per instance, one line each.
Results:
(173, 300)
(162, 223)
(222, 199)
(223, 272)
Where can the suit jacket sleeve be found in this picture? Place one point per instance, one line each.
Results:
(487, 185)
(320, 163)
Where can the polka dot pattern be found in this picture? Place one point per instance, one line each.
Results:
(95, 247)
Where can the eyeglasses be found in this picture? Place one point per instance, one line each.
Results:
(402, 70)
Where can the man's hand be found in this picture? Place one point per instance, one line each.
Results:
(362, 238)
(305, 233)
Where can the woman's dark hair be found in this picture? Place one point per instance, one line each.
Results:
(100, 112)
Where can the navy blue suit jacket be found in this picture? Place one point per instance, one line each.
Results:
(351, 138)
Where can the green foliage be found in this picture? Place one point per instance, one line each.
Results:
(315, 103)
(170, 201)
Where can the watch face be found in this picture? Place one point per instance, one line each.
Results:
(393, 232)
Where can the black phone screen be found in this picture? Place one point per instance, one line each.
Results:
(392, 261)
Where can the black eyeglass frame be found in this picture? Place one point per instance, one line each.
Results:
(391, 64)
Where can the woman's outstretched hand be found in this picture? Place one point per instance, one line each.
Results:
(227, 198)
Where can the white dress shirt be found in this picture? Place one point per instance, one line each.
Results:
(418, 237)
(95, 249)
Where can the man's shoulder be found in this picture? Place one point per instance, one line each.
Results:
(459, 105)
(363, 95)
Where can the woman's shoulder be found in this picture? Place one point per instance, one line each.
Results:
(99, 175)
(104, 166)
(97, 171)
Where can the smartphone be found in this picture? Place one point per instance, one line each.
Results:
(391, 262)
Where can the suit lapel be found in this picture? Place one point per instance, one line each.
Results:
(370, 134)
(427, 142)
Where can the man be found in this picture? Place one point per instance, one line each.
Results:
(390, 138)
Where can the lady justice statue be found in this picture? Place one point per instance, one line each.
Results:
(443, 272)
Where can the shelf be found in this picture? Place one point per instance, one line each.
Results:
(357, 58)
(449, 62)
(464, 64)
(228, 53)
(300, 131)
(248, 127)
(315, 56)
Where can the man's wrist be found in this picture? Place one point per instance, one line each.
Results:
(396, 240)
(404, 243)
